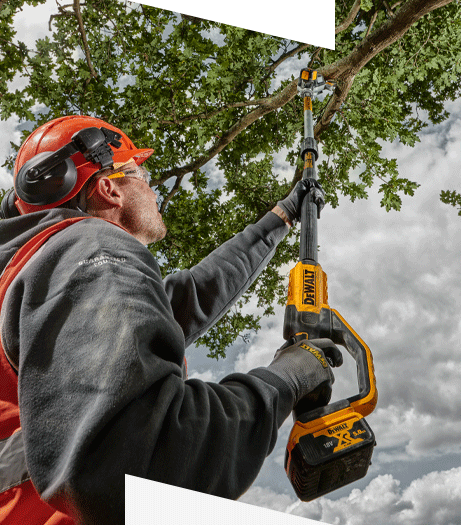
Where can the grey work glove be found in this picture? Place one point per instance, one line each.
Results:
(291, 205)
(305, 367)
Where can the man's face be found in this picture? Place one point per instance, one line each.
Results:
(140, 211)
(130, 201)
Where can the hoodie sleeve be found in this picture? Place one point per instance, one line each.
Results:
(202, 295)
(101, 389)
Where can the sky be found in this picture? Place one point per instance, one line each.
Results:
(395, 278)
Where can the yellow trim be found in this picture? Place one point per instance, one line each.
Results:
(307, 104)
(117, 175)
(366, 405)
(320, 425)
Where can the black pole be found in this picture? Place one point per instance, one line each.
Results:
(308, 240)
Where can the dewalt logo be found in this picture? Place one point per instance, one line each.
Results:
(337, 429)
(345, 440)
(315, 353)
(309, 292)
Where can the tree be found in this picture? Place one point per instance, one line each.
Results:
(206, 95)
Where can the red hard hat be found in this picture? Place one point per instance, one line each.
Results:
(57, 133)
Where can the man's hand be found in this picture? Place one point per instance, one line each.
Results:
(291, 205)
(305, 365)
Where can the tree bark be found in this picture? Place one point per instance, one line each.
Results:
(349, 18)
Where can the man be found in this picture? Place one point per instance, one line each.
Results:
(97, 339)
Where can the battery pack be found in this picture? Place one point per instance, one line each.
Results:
(323, 456)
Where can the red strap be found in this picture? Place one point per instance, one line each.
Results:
(22, 504)
(9, 411)
(25, 253)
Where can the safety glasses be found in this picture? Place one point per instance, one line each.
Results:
(132, 170)
(125, 169)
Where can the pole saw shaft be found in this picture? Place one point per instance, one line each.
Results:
(309, 210)
(329, 445)
(307, 291)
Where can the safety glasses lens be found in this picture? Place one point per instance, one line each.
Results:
(137, 172)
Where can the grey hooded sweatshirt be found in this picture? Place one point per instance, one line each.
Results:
(99, 340)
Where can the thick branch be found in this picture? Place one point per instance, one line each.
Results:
(347, 68)
(349, 18)
(391, 31)
(81, 28)
(343, 71)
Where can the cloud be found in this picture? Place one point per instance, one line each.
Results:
(434, 498)
(421, 434)
(206, 375)
(263, 346)
(9, 134)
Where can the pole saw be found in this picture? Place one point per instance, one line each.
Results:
(330, 445)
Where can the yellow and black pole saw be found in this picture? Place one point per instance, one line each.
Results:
(331, 445)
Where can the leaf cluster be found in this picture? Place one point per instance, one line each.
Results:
(218, 104)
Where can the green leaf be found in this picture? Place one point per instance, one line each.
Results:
(183, 87)
(453, 198)
(366, 5)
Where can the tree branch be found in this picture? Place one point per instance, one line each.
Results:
(343, 71)
(349, 18)
(175, 188)
(388, 8)
(81, 28)
(315, 56)
(205, 115)
(286, 55)
(372, 23)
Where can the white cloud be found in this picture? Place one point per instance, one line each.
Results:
(423, 435)
(434, 499)
(207, 375)
(9, 134)
(263, 346)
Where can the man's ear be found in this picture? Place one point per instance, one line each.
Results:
(107, 190)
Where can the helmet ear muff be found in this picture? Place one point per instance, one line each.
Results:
(50, 176)
(8, 208)
(48, 188)
(89, 142)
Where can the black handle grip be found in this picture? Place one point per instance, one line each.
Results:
(319, 397)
